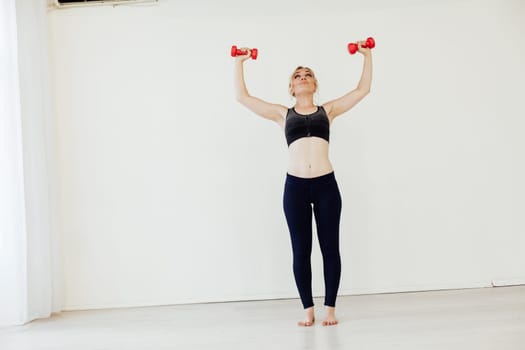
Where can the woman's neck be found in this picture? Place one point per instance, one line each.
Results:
(304, 102)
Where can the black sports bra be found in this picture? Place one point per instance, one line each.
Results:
(300, 125)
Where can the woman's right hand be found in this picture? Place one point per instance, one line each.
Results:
(243, 58)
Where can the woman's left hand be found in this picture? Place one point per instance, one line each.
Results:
(361, 49)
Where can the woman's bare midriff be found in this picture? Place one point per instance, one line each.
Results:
(308, 157)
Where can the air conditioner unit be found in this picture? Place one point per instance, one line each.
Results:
(76, 3)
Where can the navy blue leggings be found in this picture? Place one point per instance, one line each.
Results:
(299, 195)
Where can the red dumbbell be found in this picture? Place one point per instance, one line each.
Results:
(238, 52)
(369, 44)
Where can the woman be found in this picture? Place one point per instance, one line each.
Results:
(310, 177)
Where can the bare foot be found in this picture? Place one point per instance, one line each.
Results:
(330, 319)
(309, 319)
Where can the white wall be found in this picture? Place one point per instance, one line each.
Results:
(171, 192)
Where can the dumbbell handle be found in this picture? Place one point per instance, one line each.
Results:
(369, 44)
(238, 52)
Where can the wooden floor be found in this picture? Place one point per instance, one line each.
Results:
(486, 318)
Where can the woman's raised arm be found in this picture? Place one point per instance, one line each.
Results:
(262, 108)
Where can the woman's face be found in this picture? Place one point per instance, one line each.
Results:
(303, 81)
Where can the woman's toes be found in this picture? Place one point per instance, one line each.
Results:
(330, 322)
(305, 323)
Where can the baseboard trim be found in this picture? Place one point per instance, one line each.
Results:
(509, 282)
(293, 295)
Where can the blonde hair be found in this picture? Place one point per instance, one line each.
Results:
(292, 77)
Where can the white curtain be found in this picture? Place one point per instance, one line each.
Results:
(29, 259)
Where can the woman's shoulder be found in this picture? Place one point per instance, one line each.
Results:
(325, 108)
